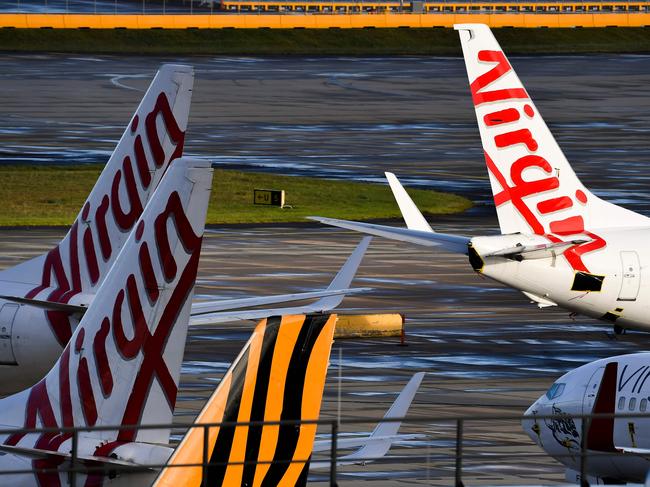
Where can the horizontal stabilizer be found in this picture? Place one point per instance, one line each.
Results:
(452, 243)
(330, 298)
(385, 433)
(93, 463)
(232, 314)
(48, 305)
(213, 307)
(539, 251)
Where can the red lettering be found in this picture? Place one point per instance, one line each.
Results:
(91, 257)
(508, 115)
(554, 204)
(502, 67)
(146, 268)
(522, 136)
(102, 229)
(184, 230)
(86, 393)
(101, 359)
(568, 226)
(129, 348)
(126, 220)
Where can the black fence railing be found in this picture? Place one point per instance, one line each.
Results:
(458, 450)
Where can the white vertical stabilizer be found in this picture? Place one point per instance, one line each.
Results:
(78, 264)
(122, 364)
(535, 189)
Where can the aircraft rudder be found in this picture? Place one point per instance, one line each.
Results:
(534, 187)
(279, 375)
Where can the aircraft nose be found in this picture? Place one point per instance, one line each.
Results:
(530, 424)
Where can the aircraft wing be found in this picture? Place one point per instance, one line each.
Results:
(330, 298)
(90, 461)
(418, 230)
(218, 311)
(453, 243)
(47, 305)
(383, 436)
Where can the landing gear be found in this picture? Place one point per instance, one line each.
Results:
(619, 330)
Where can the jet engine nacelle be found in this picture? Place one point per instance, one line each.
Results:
(27, 352)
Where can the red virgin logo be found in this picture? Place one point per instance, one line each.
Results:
(540, 218)
(143, 341)
(67, 282)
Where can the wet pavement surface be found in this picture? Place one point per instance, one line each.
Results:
(336, 117)
(485, 349)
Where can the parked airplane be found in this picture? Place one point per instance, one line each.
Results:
(122, 365)
(618, 448)
(560, 244)
(43, 299)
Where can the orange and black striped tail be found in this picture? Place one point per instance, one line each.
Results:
(278, 376)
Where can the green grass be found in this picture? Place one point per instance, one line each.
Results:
(52, 196)
(437, 41)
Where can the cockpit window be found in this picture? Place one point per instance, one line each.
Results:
(555, 390)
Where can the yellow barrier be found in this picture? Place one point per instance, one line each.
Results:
(320, 21)
(356, 326)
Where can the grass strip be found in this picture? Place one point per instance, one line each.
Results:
(52, 196)
(437, 41)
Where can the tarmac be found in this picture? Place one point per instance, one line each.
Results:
(485, 348)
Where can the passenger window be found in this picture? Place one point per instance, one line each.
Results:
(621, 403)
(643, 405)
(632, 404)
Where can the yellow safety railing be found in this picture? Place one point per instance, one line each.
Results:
(324, 20)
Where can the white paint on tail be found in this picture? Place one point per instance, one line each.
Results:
(79, 263)
(535, 189)
(122, 365)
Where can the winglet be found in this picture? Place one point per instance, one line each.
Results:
(344, 277)
(412, 216)
(385, 433)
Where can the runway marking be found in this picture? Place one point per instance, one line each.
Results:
(116, 81)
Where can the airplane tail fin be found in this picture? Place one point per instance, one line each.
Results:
(122, 364)
(279, 375)
(535, 189)
(153, 138)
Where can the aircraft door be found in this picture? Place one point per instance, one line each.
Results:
(591, 392)
(7, 314)
(631, 276)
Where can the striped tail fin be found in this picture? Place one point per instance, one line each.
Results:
(279, 375)
(78, 264)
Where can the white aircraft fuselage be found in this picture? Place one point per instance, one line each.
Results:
(619, 447)
(608, 284)
(560, 243)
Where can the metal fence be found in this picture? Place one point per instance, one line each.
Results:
(218, 6)
(440, 451)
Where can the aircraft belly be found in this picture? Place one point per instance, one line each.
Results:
(558, 282)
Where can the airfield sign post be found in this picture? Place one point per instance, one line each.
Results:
(269, 197)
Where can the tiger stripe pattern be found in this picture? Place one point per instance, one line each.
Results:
(278, 376)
